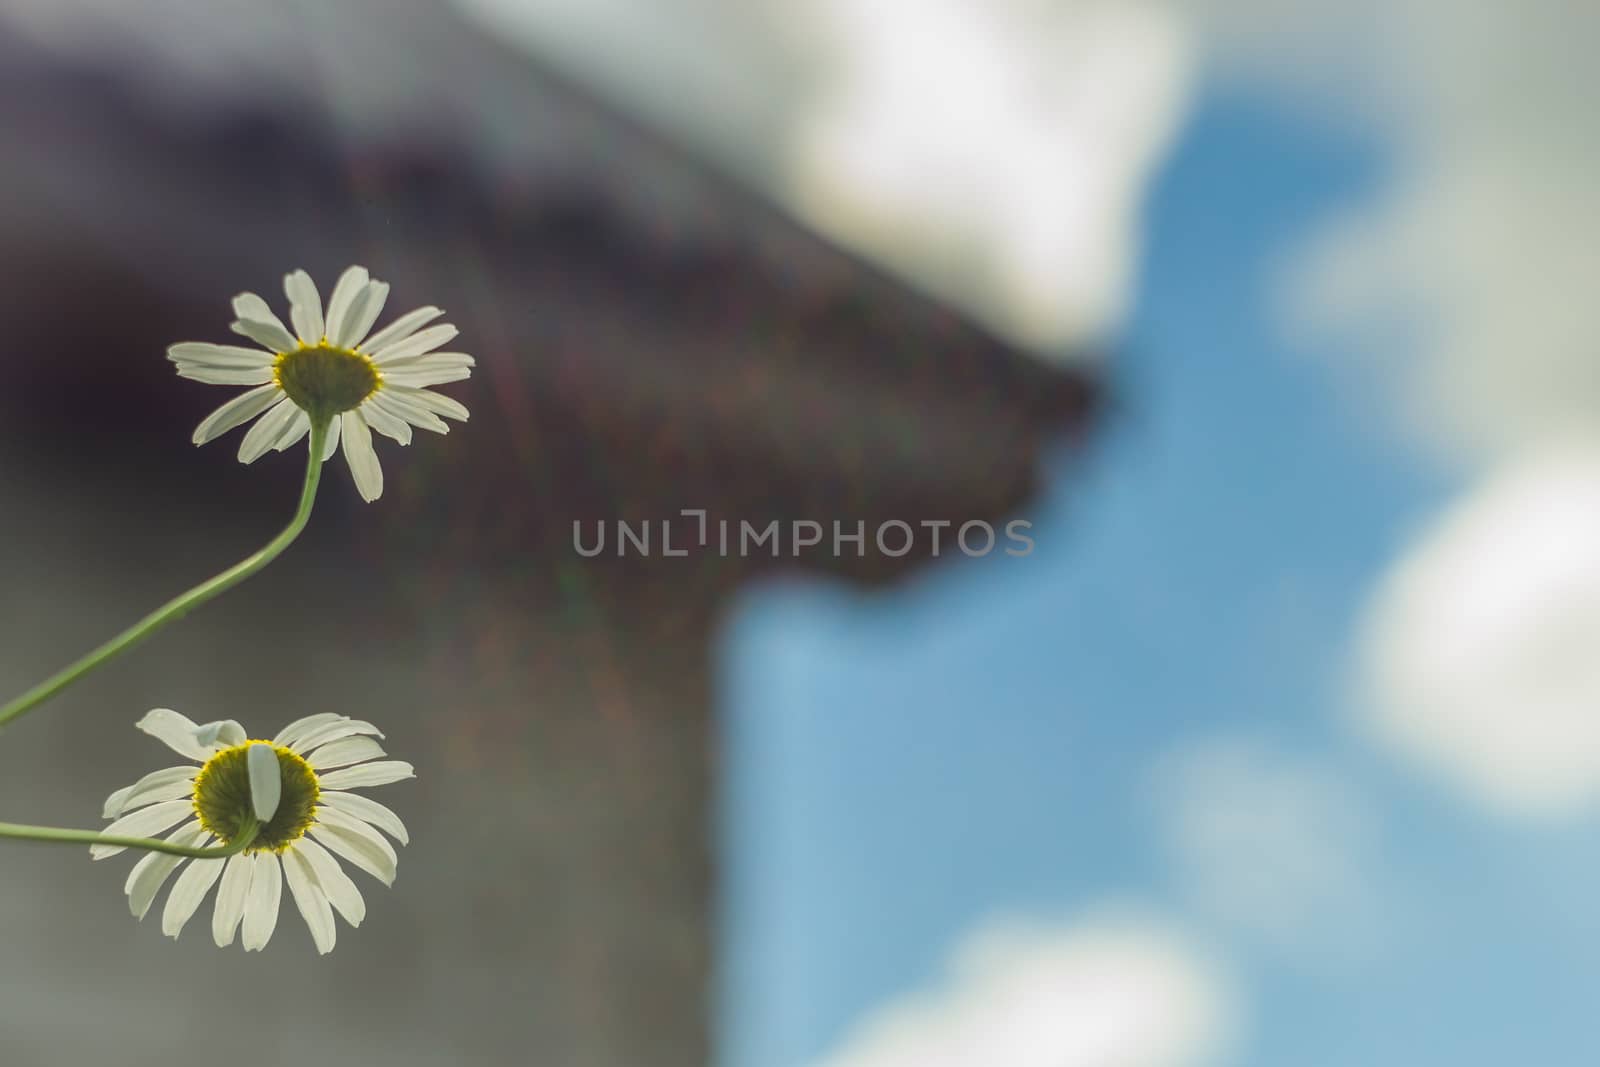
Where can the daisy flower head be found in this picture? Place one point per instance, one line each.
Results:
(294, 790)
(328, 368)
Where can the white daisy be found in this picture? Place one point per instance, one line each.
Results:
(328, 368)
(295, 786)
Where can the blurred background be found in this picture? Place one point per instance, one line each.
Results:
(1281, 746)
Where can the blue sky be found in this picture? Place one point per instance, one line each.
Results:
(906, 766)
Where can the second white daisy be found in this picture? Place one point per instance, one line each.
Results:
(294, 788)
(328, 368)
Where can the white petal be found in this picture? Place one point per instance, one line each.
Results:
(250, 306)
(351, 329)
(165, 784)
(297, 429)
(114, 805)
(345, 752)
(401, 407)
(205, 354)
(333, 439)
(152, 872)
(226, 375)
(346, 336)
(342, 820)
(431, 360)
(385, 422)
(367, 810)
(435, 402)
(146, 822)
(187, 894)
(333, 731)
(367, 775)
(401, 328)
(310, 899)
(362, 317)
(177, 731)
(289, 735)
(241, 408)
(258, 322)
(267, 429)
(270, 335)
(419, 342)
(351, 284)
(224, 733)
(305, 306)
(266, 785)
(204, 372)
(362, 459)
(421, 377)
(230, 898)
(358, 849)
(261, 902)
(341, 891)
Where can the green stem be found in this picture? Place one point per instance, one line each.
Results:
(180, 606)
(246, 836)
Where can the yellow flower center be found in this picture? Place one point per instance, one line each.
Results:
(222, 797)
(324, 380)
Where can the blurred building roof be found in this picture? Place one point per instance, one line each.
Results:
(652, 335)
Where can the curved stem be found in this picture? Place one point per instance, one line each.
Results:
(21, 832)
(181, 605)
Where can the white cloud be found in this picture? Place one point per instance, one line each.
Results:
(1270, 844)
(995, 152)
(1105, 993)
(1481, 654)
(1483, 247)
(1465, 283)
(1469, 288)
